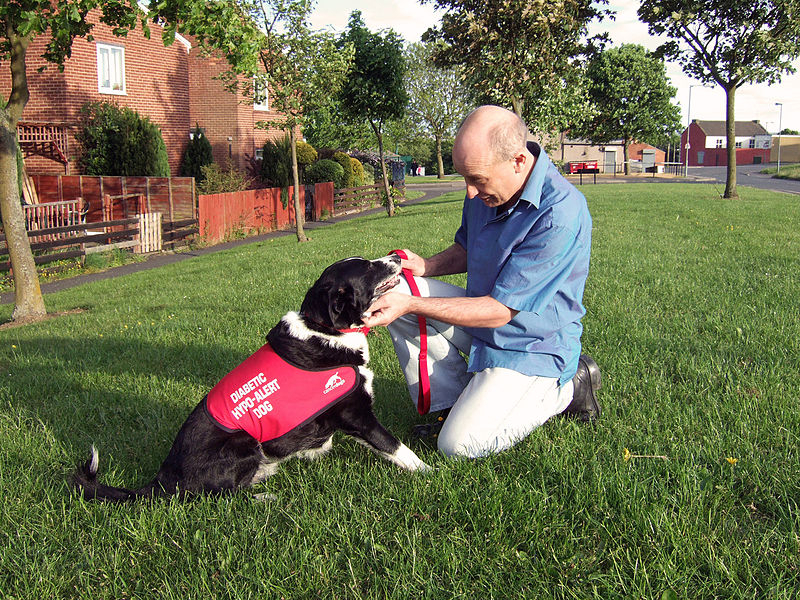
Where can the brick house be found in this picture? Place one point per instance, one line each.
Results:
(708, 143)
(174, 86)
(610, 156)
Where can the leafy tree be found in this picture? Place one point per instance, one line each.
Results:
(436, 103)
(328, 126)
(373, 88)
(20, 22)
(198, 154)
(787, 131)
(631, 98)
(270, 43)
(520, 54)
(730, 43)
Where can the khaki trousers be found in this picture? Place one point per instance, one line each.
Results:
(492, 409)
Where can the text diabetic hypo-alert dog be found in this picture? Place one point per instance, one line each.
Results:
(310, 380)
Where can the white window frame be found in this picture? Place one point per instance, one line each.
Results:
(257, 87)
(115, 68)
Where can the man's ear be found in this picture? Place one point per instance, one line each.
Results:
(520, 160)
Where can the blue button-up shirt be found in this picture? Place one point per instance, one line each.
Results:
(533, 258)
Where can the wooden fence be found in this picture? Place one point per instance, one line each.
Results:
(224, 215)
(52, 214)
(143, 233)
(173, 197)
(349, 200)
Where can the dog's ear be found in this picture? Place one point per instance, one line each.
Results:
(315, 304)
(340, 304)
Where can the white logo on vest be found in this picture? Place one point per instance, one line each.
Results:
(334, 382)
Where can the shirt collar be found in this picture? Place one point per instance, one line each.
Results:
(532, 193)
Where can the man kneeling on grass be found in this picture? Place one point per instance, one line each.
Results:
(524, 243)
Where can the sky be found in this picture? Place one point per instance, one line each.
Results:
(753, 102)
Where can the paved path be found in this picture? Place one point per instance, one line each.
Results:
(159, 260)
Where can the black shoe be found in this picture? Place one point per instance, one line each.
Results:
(427, 430)
(584, 406)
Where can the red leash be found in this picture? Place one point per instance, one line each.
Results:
(424, 398)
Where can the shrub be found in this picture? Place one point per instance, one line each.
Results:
(276, 166)
(217, 180)
(347, 167)
(119, 141)
(369, 174)
(306, 154)
(197, 155)
(358, 172)
(325, 170)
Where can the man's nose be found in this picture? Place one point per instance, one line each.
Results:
(472, 191)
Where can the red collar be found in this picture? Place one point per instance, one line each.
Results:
(364, 330)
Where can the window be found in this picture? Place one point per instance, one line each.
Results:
(738, 144)
(260, 95)
(752, 142)
(719, 143)
(110, 69)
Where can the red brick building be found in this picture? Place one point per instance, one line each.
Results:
(708, 144)
(174, 86)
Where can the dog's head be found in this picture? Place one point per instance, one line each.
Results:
(347, 288)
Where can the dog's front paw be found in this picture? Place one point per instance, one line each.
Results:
(265, 497)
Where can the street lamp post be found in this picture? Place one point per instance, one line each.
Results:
(688, 125)
(780, 128)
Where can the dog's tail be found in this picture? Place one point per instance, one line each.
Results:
(85, 480)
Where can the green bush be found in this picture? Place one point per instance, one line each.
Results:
(369, 174)
(217, 180)
(276, 165)
(197, 155)
(358, 172)
(306, 154)
(347, 167)
(325, 170)
(119, 141)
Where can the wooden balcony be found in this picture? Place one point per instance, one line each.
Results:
(42, 138)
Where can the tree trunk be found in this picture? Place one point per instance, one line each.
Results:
(299, 211)
(730, 131)
(439, 160)
(625, 144)
(387, 191)
(28, 301)
(517, 104)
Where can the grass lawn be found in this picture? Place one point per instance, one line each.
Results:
(788, 171)
(688, 487)
(433, 178)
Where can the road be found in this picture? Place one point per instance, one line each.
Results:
(746, 175)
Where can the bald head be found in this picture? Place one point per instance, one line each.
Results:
(493, 128)
(491, 154)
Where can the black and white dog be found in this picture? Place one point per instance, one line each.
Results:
(212, 456)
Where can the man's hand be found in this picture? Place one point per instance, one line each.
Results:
(415, 263)
(386, 309)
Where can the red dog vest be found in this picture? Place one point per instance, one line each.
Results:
(267, 396)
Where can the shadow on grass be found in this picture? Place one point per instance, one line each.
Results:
(129, 397)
